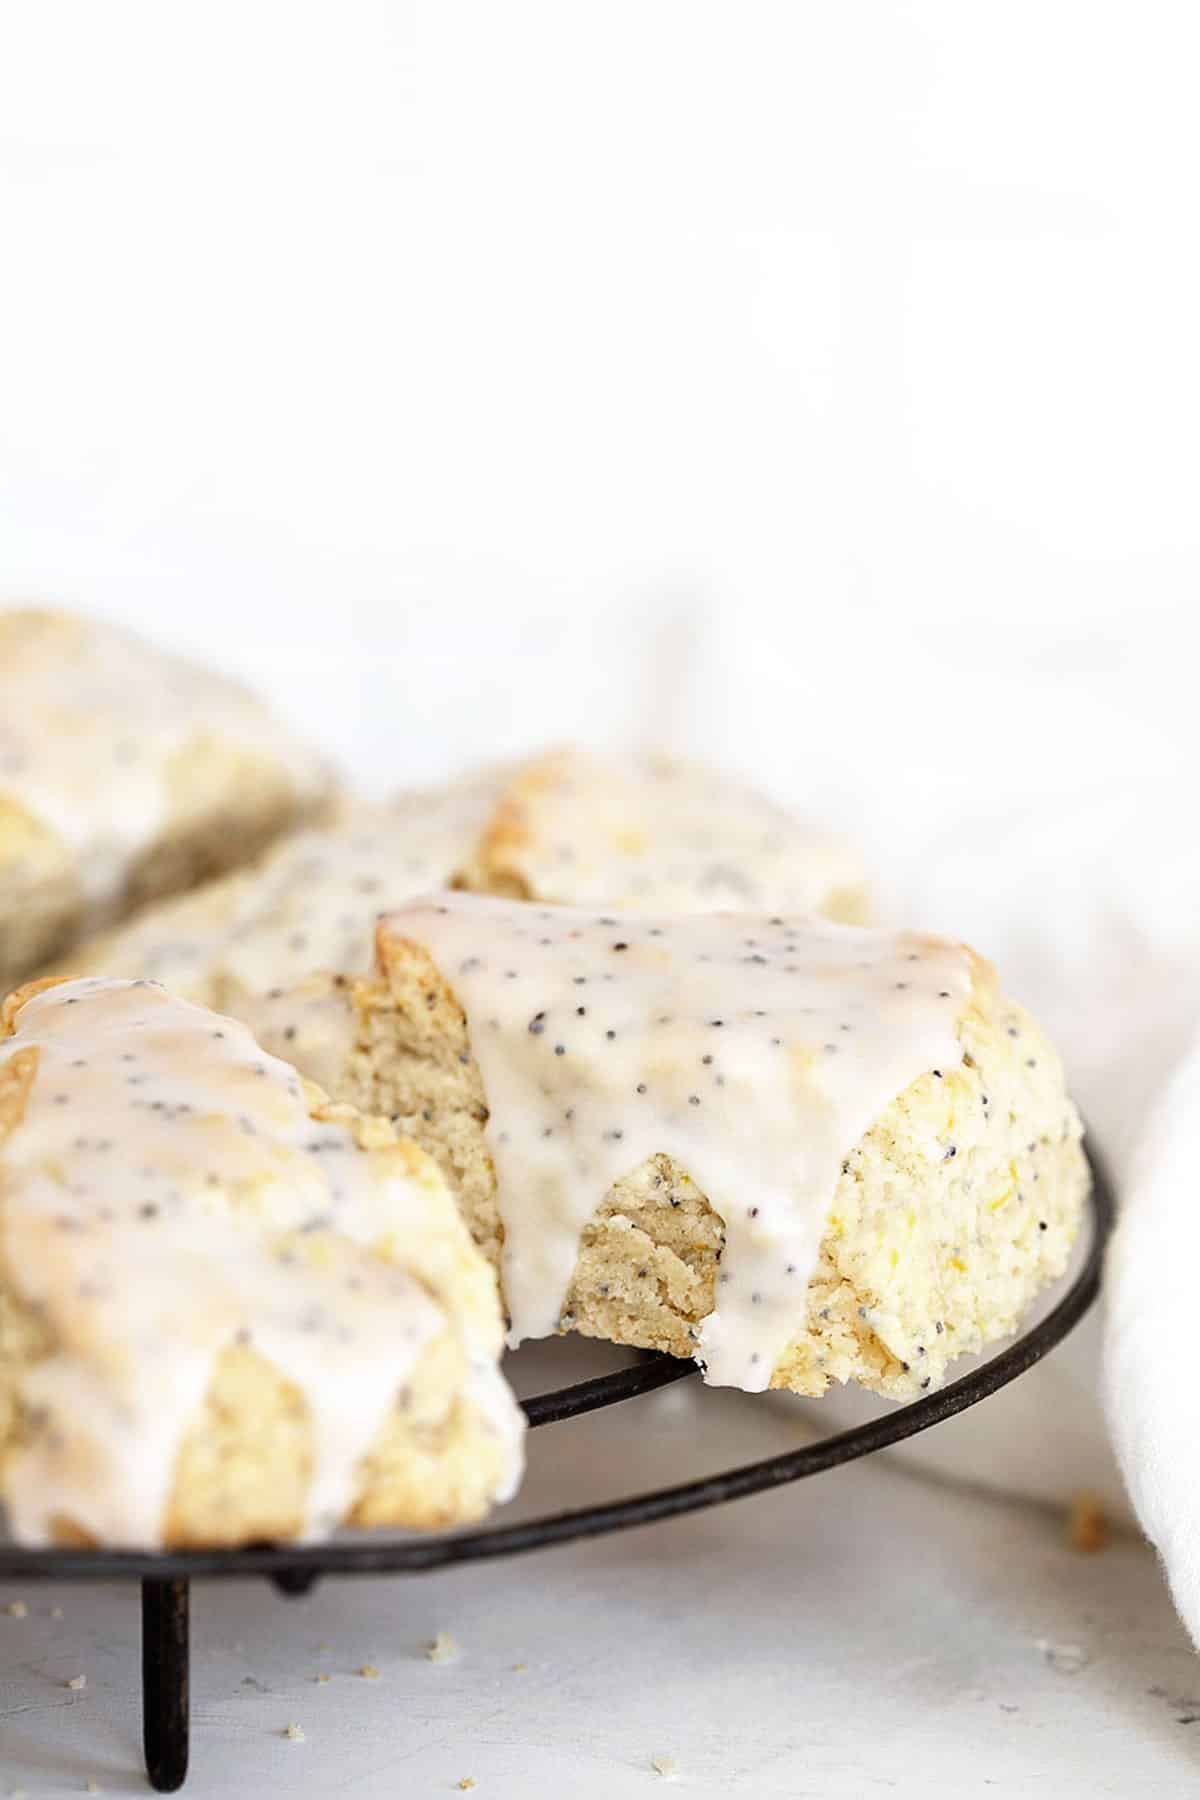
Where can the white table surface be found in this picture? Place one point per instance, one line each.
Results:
(868, 1631)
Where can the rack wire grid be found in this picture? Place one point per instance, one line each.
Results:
(166, 1577)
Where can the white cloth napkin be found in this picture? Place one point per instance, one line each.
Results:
(1150, 1352)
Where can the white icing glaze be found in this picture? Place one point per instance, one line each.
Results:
(486, 1389)
(754, 1050)
(89, 720)
(167, 1194)
(312, 903)
(659, 835)
(251, 943)
(318, 900)
(310, 1024)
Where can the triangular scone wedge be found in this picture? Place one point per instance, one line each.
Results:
(230, 1310)
(310, 903)
(567, 827)
(127, 774)
(936, 1180)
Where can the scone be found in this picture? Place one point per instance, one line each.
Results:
(563, 827)
(126, 774)
(799, 1151)
(229, 1311)
(309, 903)
(656, 833)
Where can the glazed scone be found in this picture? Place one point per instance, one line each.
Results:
(655, 833)
(802, 1152)
(309, 903)
(126, 774)
(550, 829)
(229, 1310)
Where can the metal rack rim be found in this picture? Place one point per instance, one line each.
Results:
(293, 1569)
(376, 1555)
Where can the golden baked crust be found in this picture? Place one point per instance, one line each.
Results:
(953, 1210)
(244, 1463)
(89, 714)
(654, 833)
(41, 902)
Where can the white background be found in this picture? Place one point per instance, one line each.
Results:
(815, 385)
(417, 352)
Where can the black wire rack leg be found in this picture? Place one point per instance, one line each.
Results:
(165, 1682)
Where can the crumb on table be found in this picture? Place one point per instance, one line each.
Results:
(1087, 1524)
(1066, 1659)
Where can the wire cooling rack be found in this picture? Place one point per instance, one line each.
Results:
(165, 1578)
